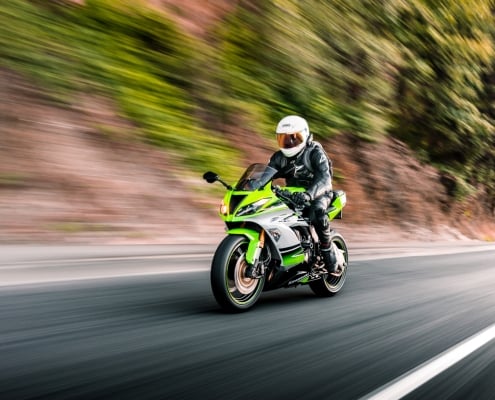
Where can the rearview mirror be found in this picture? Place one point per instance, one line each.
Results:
(210, 177)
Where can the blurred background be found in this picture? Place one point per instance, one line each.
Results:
(112, 110)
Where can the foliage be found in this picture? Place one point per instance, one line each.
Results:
(307, 58)
(420, 70)
(446, 48)
(119, 49)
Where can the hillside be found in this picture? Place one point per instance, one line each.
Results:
(62, 178)
(76, 159)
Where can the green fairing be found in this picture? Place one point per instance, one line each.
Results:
(293, 259)
(254, 240)
(252, 197)
(336, 209)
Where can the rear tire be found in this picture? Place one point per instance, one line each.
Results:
(233, 290)
(330, 285)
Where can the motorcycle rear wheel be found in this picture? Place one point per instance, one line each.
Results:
(233, 290)
(330, 285)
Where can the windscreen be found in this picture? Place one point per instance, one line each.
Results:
(255, 177)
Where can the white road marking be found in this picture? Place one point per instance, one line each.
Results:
(44, 263)
(20, 281)
(75, 269)
(406, 383)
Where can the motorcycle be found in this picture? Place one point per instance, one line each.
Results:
(270, 242)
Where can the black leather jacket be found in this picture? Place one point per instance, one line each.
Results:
(310, 169)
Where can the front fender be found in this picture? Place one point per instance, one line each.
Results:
(254, 241)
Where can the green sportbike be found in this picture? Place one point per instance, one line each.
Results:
(270, 242)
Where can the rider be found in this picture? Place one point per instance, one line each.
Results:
(303, 162)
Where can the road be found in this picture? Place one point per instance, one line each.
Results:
(137, 323)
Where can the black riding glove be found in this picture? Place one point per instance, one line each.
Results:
(301, 198)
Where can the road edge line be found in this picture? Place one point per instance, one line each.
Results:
(411, 380)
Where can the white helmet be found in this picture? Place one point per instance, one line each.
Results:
(292, 135)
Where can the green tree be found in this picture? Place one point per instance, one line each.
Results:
(445, 47)
(323, 60)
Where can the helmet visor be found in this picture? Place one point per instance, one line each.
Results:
(289, 140)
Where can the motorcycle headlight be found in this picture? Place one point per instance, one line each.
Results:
(224, 210)
(251, 208)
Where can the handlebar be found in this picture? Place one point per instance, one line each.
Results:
(287, 196)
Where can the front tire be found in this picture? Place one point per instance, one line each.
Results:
(330, 285)
(233, 290)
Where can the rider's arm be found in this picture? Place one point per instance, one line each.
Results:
(276, 163)
(322, 182)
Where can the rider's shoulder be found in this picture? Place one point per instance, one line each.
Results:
(315, 148)
(315, 145)
(316, 156)
(277, 158)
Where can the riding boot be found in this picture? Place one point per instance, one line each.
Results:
(329, 257)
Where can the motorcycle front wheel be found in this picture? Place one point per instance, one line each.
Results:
(330, 285)
(233, 290)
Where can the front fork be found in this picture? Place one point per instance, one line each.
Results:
(256, 269)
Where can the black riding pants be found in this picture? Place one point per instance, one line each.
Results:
(319, 218)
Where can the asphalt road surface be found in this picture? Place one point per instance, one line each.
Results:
(86, 323)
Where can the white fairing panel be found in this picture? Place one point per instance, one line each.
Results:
(277, 226)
